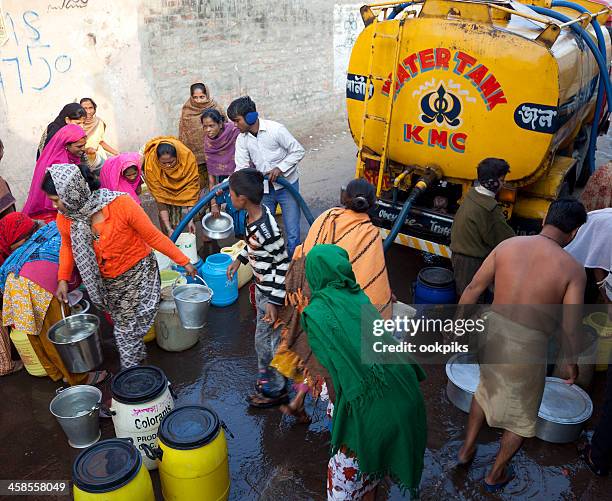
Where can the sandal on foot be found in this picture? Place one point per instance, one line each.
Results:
(261, 401)
(585, 454)
(499, 486)
(105, 413)
(99, 377)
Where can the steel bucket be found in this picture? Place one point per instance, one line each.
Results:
(192, 303)
(77, 410)
(77, 340)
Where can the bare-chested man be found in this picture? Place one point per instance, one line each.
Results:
(527, 271)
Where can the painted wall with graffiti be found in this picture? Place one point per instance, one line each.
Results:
(57, 51)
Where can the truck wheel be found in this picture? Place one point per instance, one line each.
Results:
(566, 189)
(585, 174)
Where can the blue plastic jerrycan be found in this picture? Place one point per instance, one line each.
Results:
(214, 273)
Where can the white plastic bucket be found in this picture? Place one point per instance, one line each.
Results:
(187, 243)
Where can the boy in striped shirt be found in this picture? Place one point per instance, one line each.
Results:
(266, 252)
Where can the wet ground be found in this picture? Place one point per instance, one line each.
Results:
(272, 457)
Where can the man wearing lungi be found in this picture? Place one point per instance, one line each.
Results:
(530, 271)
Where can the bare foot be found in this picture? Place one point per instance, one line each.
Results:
(299, 414)
(465, 455)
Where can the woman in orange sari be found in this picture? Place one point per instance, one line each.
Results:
(351, 229)
(171, 174)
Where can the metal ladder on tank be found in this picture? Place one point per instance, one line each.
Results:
(386, 120)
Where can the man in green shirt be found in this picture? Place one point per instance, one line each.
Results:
(479, 224)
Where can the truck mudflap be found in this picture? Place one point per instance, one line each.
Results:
(423, 229)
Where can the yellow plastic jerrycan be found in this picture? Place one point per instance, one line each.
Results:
(600, 322)
(192, 455)
(111, 470)
(245, 272)
(150, 335)
(27, 353)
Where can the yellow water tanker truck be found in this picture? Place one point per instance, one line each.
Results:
(436, 86)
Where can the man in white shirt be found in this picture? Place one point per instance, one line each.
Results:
(273, 151)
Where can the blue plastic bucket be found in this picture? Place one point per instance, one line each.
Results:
(214, 272)
(435, 285)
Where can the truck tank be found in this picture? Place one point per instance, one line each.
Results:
(450, 83)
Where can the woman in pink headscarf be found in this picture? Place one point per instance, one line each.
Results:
(123, 173)
(66, 147)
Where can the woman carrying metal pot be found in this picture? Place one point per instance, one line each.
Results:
(29, 254)
(110, 239)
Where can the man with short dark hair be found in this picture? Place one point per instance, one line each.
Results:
(274, 152)
(479, 224)
(528, 272)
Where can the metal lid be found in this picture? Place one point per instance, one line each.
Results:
(106, 466)
(463, 371)
(138, 384)
(564, 404)
(189, 427)
(434, 276)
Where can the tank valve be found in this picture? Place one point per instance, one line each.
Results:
(430, 176)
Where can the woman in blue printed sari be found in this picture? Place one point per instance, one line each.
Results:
(28, 280)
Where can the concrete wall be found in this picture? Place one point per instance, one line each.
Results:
(137, 58)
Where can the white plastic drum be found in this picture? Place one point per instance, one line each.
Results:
(141, 399)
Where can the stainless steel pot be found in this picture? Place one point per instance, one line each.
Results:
(561, 416)
(218, 228)
(77, 340)
(563, 412)
(463, 375)
(77, 410)
(192, 303)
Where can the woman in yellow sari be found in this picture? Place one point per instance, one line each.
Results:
(172, 177)
(351, 229)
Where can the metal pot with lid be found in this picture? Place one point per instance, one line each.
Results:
(563, 411)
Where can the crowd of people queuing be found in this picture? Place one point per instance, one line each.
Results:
(83, 225)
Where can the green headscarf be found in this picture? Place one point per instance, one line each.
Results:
(379, 412)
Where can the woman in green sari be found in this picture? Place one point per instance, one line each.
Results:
(379, 423)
